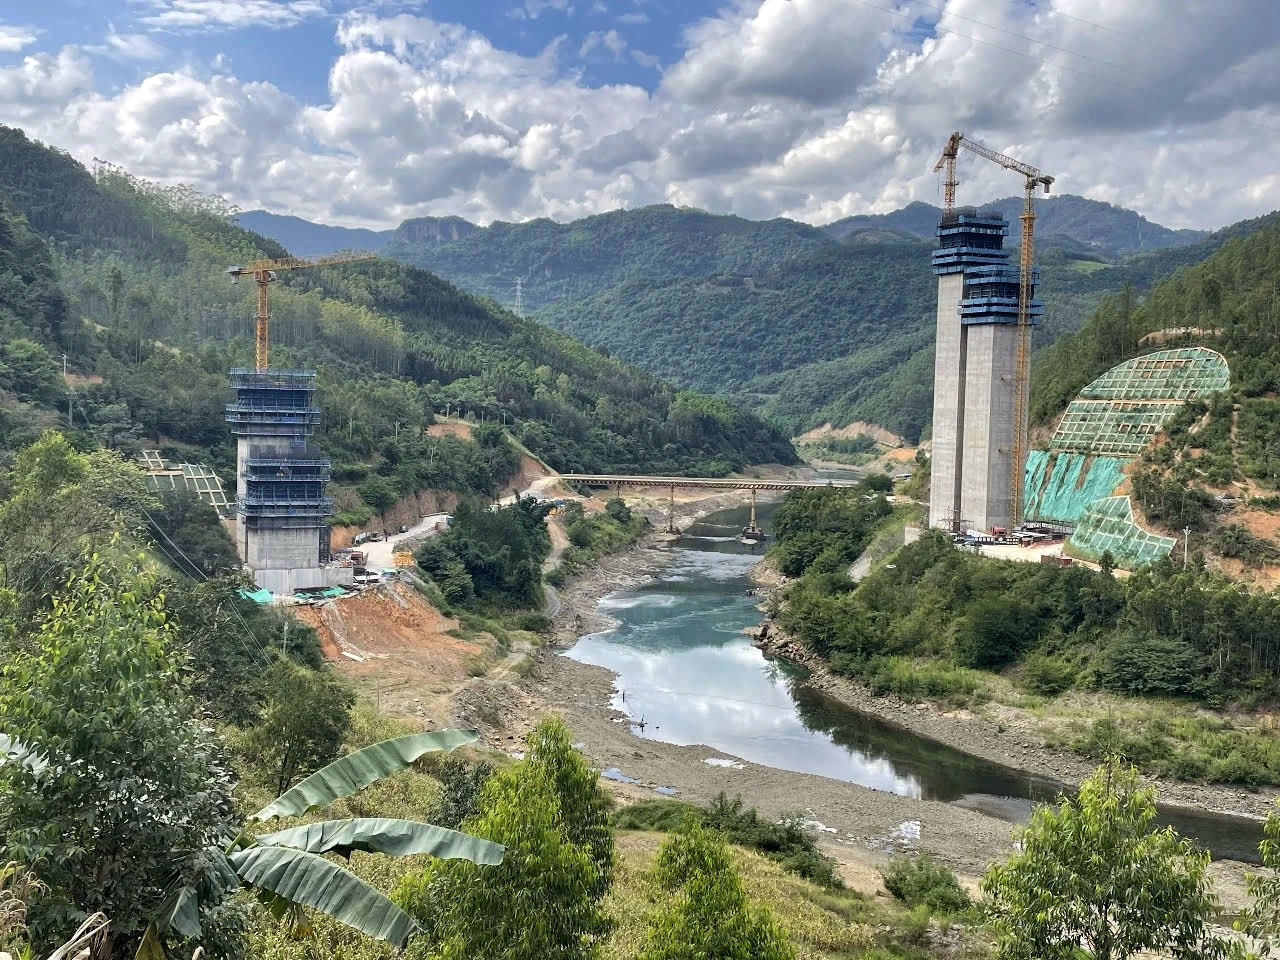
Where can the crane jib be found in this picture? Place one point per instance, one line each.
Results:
(1034, 178)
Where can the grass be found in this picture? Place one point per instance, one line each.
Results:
(786, 842)
(821, 923)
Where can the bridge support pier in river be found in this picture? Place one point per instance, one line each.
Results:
(671, 511)
(751, 533)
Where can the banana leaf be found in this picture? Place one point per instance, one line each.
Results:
(357, 770)
(180, 908)
(400, 838)
(311, 880)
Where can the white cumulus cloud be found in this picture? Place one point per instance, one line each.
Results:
(813, 109)
(13, 39)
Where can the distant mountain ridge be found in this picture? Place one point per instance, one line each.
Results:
(805, 324)
(1101, 226)
(303, 238)
(565, 261)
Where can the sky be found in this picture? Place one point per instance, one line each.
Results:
(366, 113)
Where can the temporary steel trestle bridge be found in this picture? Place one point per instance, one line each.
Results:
(751, 533)
(701, 483)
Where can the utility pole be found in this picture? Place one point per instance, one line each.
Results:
(64, 366)
(1186, 537)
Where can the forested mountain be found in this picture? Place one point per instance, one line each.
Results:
(562, 261)
(1066, 218)
(131, 286)
(891, 381)
(1227, 296)
(303, 238)
(804, 327)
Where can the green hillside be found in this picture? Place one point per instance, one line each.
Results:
(1224, 283)
(801, 327)
(572, 260)
(128, 280)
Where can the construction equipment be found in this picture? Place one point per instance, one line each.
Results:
(1021, 400)
(264, 271)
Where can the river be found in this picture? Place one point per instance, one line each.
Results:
(686, 674)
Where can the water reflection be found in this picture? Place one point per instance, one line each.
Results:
(688, 675)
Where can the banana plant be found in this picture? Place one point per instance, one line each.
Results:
(287, 867)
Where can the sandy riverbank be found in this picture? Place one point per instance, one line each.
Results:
(1012, 746)
(862, 828)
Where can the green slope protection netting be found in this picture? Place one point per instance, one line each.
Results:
(1108, 526)
(1059, 486)
(1122, 411)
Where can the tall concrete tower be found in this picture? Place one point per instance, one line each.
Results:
(974, 375)
(282, 512)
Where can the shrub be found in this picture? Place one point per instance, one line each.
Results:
(1149, 665)
(584, 805)
(533, 622)
(786, 842)
(922, 881)
(914, 681)
(994, 631)
(709, 914)
(460, 786)
(1047, 675)
(661, 815)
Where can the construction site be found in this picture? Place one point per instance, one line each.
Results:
(282, 511)
(988, 487)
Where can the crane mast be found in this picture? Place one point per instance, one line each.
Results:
(264, 271)
(1021, 378)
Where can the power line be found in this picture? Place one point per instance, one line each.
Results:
(988, 43)
(234, 609)
(261, 651)
(1099, 26)
(1022, 36)
(258, 644)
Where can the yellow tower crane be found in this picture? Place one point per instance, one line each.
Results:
(1021, 399)
(264, 271)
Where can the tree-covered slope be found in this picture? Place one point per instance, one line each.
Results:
(1223, 288)
(890, 382)
(572, 260)
(716, 333)
(804, 327)
(134, 291)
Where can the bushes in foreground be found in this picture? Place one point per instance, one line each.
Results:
(786, 841)
(922, 881)
(709, 914)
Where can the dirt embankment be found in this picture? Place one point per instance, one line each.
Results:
(397, 648)
(1009, 738)
(858, 428)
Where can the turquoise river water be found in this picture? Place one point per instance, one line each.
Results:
(685, 668)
